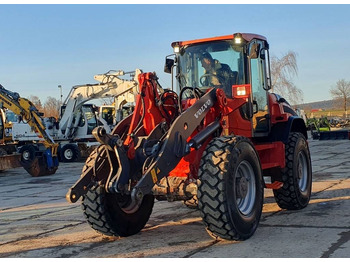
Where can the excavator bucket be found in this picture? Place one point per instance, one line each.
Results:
(9, 161)
(38, 165)
(39, 168)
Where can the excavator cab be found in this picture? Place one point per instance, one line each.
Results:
(7, 117)
(2, 126)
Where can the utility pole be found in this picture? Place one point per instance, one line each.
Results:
(60, 87)
(60, 108)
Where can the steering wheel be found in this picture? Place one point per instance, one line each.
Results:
(189, 92)
(206, 76)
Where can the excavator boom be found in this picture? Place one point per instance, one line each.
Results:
(111, 85)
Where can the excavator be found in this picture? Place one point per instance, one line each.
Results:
(218, 141)
(78, 118)
(111, 85)
(73, 131)
(39, 159)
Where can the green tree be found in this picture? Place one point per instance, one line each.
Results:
(282, 71)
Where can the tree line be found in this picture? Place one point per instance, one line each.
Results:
(50, 108)
(283, 69)
(341, 93)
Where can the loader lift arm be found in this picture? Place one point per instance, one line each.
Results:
(168, 153)
(46, 163)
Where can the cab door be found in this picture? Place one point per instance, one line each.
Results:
(258, 80)
(2, 126)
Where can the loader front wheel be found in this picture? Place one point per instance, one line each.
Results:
(230, 192)
(107, 212)
(104, 212)
(296, 176)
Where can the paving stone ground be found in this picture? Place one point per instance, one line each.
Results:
(36, 220)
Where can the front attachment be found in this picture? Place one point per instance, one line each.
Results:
(174, 147)
(107, 212)
(97, 168)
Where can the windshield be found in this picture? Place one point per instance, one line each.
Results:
(11, 117)
(214, 64)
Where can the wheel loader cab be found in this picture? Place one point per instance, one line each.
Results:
(211, 64)
(228, 62)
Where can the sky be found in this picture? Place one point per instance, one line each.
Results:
(43, 46)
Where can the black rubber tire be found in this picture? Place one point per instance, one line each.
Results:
(70, 153)
(103, 210)
(28, 153)
(296, 176)
(218, 196)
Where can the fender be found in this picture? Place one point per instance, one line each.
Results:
(280, 131)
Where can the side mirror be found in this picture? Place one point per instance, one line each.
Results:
(254, 51)
(265, 55)
(169, 63)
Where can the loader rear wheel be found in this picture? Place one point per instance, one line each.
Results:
(296, 176)
(230, 192)
(105, 211)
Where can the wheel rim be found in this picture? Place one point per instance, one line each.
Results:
(26, 155)
(68, 154)
(245, 188)
(302, 172)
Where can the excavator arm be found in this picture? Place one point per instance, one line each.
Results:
(48, 163)
(111, 85)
